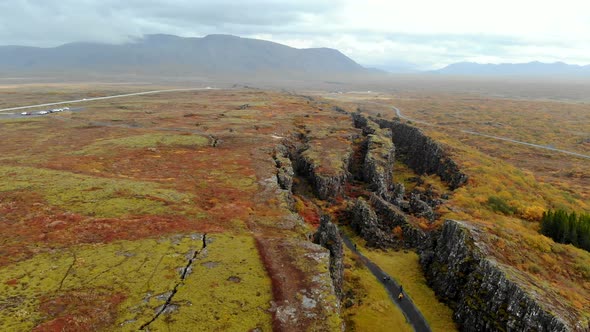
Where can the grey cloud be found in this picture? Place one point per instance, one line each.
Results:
(50, 23)
(39, 22)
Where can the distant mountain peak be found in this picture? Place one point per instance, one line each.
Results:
(163, 53)
(533, 68)
(221, 36)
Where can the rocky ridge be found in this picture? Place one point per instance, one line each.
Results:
(482, 297)
(328, 236)
(365, 223)
(478, 291)
(325, 185)
(423, 154)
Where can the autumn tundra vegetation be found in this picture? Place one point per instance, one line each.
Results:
(199, 210)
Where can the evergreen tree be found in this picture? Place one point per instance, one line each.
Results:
(567, 228)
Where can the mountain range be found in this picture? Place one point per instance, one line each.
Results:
(223, 55)
(213, 54)
(534, 68)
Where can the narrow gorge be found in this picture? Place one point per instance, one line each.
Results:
(378, 210)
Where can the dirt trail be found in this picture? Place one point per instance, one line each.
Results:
(412, 313)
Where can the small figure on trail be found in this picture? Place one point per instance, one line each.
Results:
(355, 247)
(401, 288)
(400, 296)
(386, 278)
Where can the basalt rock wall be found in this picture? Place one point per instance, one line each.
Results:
(365, 222)
(378, 164)
(379, 156)
(423, 154)
(326, 186)
(327, 236)
(480, 294)
(390, 217)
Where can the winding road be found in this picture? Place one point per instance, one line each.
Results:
(471, 132)
(413, 315)
(102, 98)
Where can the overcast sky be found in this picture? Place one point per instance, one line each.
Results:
(428, 33)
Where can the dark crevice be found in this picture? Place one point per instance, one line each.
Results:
(183, 276)
(61, 283)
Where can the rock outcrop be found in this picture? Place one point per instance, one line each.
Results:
(365, 223)
(420, 208)
(378, 164)
(327, 236)
(423, 154)
(397, 193)
(284, 167)
(480, 294)
(390, 217)
(325, 185)
(361, 122)
(378, 156)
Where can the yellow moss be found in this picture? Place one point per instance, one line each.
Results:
(146, 271)
(228, 290)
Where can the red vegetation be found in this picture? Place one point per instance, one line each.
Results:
(33, 226)
(307, 210)
(84, 310)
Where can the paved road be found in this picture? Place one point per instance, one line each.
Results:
(35, 114)
(471, 132)
(413, 315)
(102, 98)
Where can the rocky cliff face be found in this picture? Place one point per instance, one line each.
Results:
(325, 185)
(391, 216)
(327, 236)
(480, 294)
(378, 156)
(284, 167)
(422, 154)
(378, 164)
(482, 297)
(364, 222)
